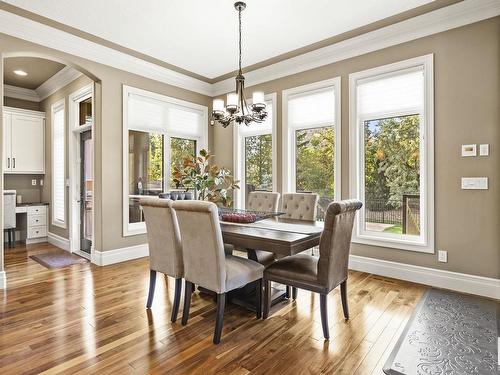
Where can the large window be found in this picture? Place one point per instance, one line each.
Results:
(159, 132)
(58, 164)
(311, 160)
(391, 129)
(255, 155)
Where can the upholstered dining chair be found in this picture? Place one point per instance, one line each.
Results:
(323, 274)
(299, 206)
(165, 250)
(205, 263)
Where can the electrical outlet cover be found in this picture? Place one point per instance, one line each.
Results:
(442, 256)
(33, 182)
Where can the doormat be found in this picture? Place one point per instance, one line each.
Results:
(58, 260)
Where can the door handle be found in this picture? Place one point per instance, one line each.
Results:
(8, 162)
(13, 162)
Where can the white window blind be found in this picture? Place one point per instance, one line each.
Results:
(58, 167)
(146, 114)
(399, 92)
(311, 108)
(185, 121)
(265, 127)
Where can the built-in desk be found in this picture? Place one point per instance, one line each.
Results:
(33, 217)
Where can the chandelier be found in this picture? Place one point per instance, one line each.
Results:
(237, 109)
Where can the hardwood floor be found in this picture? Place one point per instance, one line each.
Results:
(86, 319)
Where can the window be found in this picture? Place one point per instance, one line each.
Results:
(159, 132)
(311, 122)
(58, 164)
(255, 155)
(392, 154)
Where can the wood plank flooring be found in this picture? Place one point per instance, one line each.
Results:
(85, 319)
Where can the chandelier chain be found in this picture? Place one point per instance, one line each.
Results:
(239, 19)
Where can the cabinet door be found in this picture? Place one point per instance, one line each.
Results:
(6, 159)
(27, 144)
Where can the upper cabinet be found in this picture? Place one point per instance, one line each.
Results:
(24, 141)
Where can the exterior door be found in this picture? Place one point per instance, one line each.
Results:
(86, 191)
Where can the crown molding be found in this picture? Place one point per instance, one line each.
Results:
(63, 77)
(20, 93)
(450, 17)
(35, 32)
(443, 19)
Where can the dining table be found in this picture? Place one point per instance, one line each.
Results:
(279, 235)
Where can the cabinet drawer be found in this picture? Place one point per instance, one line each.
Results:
(37, 210)
(37, 232)
(37, 220)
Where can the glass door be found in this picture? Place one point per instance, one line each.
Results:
(86, 191)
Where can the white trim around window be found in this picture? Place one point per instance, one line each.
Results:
(288, 133)
(159, 125)
(58, 163)
(424, 242)
(239, 151)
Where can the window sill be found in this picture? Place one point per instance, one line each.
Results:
(394, 243)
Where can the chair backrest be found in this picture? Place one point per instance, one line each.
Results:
(202, 245)
(263, 201)
(300, 206)
(335, 242)
(165, 250)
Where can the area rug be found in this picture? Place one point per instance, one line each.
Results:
(448, 334)
(57, 260)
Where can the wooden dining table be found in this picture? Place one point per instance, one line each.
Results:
(281, 236)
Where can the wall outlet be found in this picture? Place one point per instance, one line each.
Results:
(442, 256)
(33, 182)
(41, 182)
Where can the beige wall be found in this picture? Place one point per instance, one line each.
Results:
(467, 110)
(45, 106)
(20, 103)
(108, 134)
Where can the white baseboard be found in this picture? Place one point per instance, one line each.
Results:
(104, 258)
(3, 280)
(460, 282)
(31, 241)
(61, 242)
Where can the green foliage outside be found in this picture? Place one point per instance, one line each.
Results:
(259, 162)
(180, 148)
(392, 161)
(155, 168)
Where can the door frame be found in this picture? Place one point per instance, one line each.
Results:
(74, 132)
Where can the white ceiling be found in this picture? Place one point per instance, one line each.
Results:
(201, 35)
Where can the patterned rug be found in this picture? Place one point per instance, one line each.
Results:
(58, 260)
(448, 334)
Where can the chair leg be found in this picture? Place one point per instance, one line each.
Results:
(177, 299)
(188, 290)
(9, 238)
(267, 299)
(258, 298)
(294, 293)
(343, 295)
(324, 315)
(14, 237)
(152, 283)
(219, 320)
(288, 292)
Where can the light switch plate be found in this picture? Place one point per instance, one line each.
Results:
(474, 183)
(484, 150)
(469, 150)
(442, 256)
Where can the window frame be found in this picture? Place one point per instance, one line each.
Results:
(425, 242)
(289, 139)
(60, 105)
(131, 229)
(239, 152)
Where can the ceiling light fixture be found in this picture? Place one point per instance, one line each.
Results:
(237, 109)
(20, 72)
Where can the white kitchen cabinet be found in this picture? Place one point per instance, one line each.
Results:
(24, 141)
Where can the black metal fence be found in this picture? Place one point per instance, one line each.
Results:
(404, 212)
